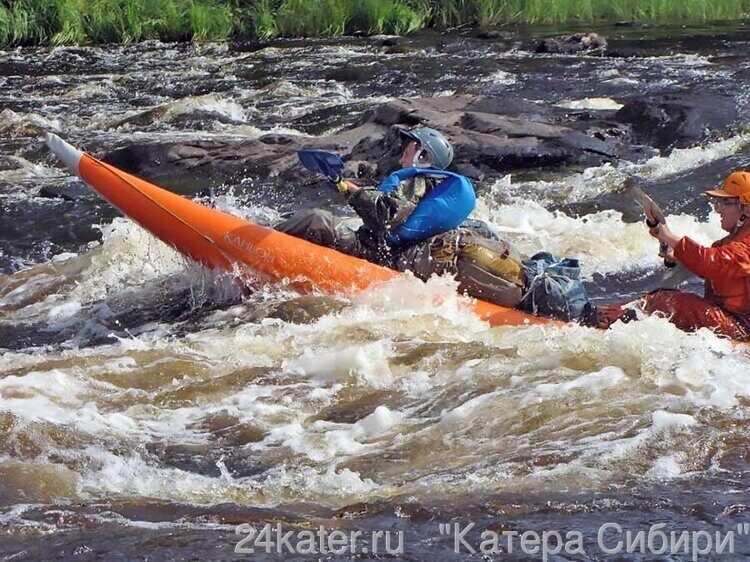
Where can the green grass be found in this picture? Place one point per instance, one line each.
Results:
(378, 16)
(260, 20)
(492, 13)
(29, 22)
(210, 21)
(306, 18)
(311, 17)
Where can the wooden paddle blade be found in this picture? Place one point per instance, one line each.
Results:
(652, 210)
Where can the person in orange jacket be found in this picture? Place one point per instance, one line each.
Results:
(725, 266)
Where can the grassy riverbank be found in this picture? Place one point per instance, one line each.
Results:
(107, 21)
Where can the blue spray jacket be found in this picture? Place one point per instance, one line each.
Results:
(443, 208)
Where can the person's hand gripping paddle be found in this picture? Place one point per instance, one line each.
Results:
(654, 216)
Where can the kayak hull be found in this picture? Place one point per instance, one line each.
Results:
(225, 242)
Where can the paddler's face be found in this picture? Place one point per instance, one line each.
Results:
(730, 211)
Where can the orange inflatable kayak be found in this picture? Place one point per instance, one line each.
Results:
(222, 241)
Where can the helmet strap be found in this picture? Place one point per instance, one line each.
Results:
(417, 155)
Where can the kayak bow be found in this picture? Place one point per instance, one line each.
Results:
(225, 242)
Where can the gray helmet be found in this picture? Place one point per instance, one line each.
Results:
(434, 144)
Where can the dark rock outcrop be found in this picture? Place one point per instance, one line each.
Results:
(490, 135)
(8, 163)
(390, 41)
(493, 135)
(576, 43)
(495, 35)
(72, 192)
(678, 120)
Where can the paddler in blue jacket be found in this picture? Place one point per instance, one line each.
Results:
(413, 221)
(404, 209)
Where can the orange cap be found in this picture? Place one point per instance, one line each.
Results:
(736, 184)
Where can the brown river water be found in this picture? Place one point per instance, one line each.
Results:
(148, 408)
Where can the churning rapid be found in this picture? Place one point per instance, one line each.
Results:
(147, 401)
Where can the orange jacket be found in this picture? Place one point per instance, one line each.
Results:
(725, 266)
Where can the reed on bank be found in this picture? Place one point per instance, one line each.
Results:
(113, 21)
(108, 21)
(499, 12)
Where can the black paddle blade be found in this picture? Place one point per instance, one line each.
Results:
(327, 163)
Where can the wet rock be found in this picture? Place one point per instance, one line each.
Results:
(9, 163)
(191, 112)
(320, 121)
(360, 169)
(249, 46)
(676, 194)
(575, 43)
(185, 456)
(390, 42)
(357, 407)
(470, 171)
(494, 135)
(358, 510)
(242, 434)
(144, 118)
(229, 429)
(634, 23)
(679, 120)
(349, 74)
(201, 119)
(400, 50)
(453, 47)
(487, 137)
(495, 35)
(66, 192)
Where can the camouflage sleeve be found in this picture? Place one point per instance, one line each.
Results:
(380, 211)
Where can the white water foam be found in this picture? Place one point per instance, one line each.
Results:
(602, 179)
(462, 410)
(601, 240)
(13, 124)
(591, 103)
